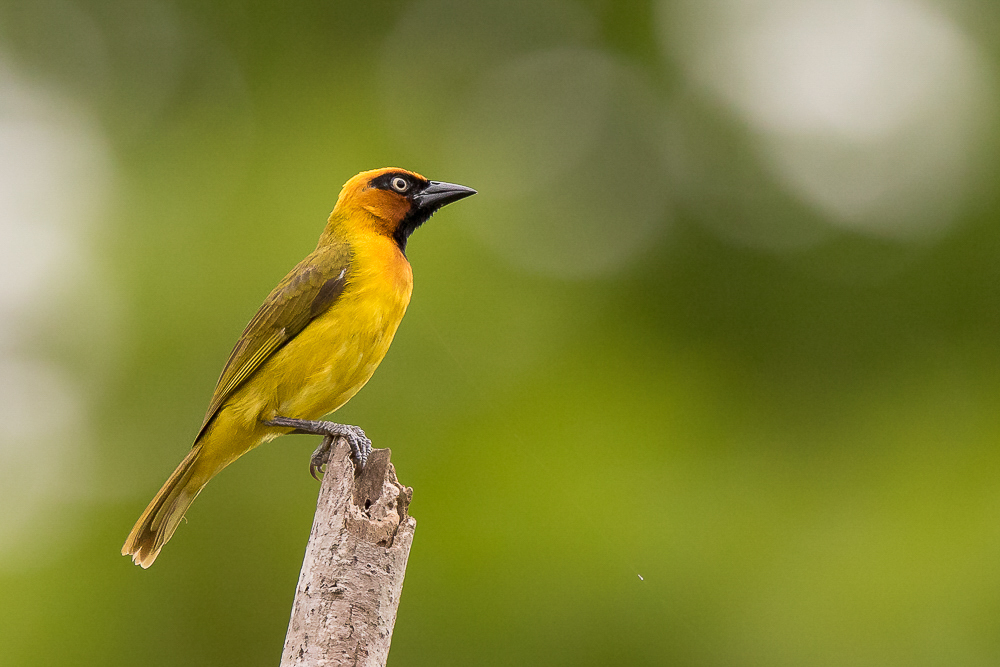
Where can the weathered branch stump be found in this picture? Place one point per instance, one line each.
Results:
(352, 574)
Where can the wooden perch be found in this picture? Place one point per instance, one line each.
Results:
(352, 575)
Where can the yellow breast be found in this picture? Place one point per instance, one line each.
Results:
(337, 353)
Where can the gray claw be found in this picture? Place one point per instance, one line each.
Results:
(361, 446)
(319, 457)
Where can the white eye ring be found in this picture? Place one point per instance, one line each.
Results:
(399, 184)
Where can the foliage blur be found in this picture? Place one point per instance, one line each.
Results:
(707, 374)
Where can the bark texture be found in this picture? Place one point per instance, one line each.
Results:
(352, 575)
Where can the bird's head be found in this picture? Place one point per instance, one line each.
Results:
(394, 202)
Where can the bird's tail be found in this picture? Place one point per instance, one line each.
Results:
(163, 514)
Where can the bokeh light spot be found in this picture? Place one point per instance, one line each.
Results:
(486, 33)
(55, 178)
(562, 144)
(872, 111)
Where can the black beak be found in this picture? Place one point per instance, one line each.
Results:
(437, 194)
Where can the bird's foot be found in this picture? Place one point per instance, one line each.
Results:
(361, 446)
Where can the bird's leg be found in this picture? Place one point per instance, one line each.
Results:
(361, 446)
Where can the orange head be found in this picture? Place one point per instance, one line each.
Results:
(393, 202)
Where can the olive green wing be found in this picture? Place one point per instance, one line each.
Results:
(307, 291)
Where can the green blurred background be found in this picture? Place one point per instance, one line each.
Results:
(707, 374)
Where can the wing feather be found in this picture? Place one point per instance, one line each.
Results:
(308, 290)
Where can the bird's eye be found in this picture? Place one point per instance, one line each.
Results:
(400, 184)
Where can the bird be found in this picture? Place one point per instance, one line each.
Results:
(313, 344)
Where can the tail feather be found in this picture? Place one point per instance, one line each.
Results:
(164, 513)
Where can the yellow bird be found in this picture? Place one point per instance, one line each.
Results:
(314, 342)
